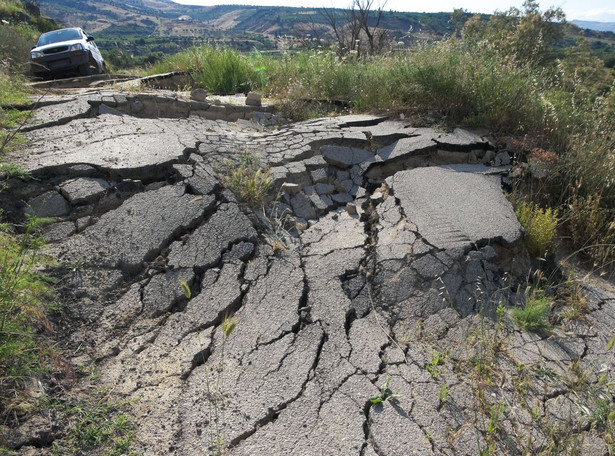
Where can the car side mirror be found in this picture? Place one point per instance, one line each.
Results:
(90, 38)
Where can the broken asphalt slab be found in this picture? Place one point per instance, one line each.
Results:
(359, 270)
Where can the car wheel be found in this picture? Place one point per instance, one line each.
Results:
(90, 68)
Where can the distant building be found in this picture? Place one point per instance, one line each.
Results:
(184, 18)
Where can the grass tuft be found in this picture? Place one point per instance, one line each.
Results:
(248, 181)
(534, 316)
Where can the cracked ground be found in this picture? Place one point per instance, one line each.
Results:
(399, 248)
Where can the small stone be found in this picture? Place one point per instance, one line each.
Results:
(291, 188)
(183, 171)
(302, 206)
(318, 203)
(58, 231)
(351, 208)
(488, 157)
(327, 200)
(83, 223)
(319, 175)
(315, 162)
(253, 99)
(343, 175)
(49, 204)
(342, 198)
(502, 159)
(198, 94)
(377, 198)
(84, 189)
(104, 109)
(348, 185)
(324, 189)
(301, 225)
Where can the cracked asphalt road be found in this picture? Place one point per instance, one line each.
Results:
(391, 257)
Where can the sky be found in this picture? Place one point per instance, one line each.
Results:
(589, 10)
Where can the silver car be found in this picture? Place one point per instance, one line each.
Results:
(64, 51)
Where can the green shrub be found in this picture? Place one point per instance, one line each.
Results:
(219, 70)
(540, 227)
(534, 316)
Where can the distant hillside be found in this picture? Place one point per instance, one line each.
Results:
(598, 26)
(135, 32)
(148, 28)
(165, 18)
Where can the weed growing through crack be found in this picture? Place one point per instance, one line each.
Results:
(215, 393)
(443, 394)
(248, 181)
(487, 344)
(493, 427)
(437, 359)
(385, 393)
(185, 289)
(96, 425)
(277, 222)
(576, 303)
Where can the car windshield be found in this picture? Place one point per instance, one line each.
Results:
(58, 36)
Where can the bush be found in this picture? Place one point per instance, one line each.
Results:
(539, 225)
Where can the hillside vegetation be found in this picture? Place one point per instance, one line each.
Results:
(552, 108)
(136, 32)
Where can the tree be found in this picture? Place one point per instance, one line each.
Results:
(459, 17)
(357, 28)
(523, 36)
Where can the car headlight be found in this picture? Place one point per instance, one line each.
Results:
(76, 47)
(36, 55)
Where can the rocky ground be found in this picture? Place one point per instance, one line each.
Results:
(384, 265)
